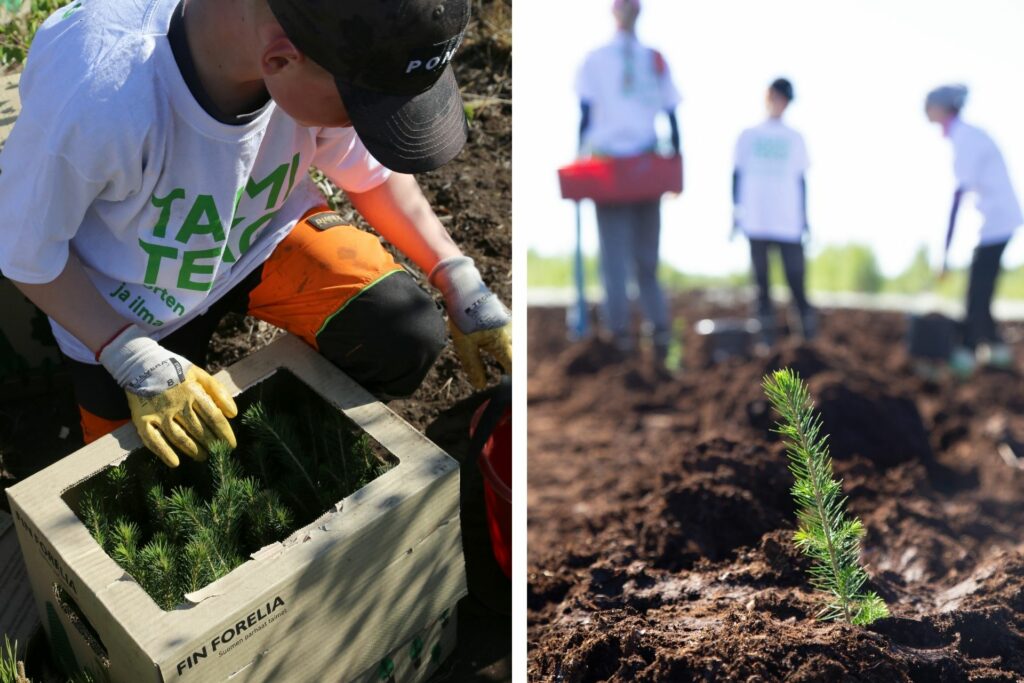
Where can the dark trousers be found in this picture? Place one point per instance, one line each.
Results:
(979, 325)
(793, 264)
(629, 236)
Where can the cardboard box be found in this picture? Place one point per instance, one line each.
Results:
(18, 619)
(418, 658)
(327, 604)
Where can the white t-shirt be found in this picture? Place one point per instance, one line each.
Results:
(979, 168)
(626, 86)
(771, 158)
(113, 158)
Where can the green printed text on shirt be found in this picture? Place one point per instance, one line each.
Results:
(169, 247)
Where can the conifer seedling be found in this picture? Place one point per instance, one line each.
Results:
(825, 533)
(12, 670)
(176, 534)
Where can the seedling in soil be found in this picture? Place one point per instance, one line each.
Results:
(13, 671)
(825, 534)
(674, 357)
(175, 535)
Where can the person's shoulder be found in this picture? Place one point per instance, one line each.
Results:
(963, 129)
(765, 127)
(596, 62)
(657, 59)
(967, 136)
(753, 130)
(747, 135)
(93, 30)
(89, 65)
(599, 52)
(98, 45)
(793, 132)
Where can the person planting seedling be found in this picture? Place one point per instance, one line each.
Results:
(769, 194)
(157, 180)
(825, 534)
(980, 169)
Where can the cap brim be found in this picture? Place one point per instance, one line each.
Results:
(409, 133)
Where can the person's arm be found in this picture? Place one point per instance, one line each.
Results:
(477, 319)
(735, 203)
(584, 124)
(398, 210)
(957, 196)
(803, 202)
(73, 301)
(160, 386)
(673, 123)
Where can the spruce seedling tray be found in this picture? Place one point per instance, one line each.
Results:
(175, 531)
(328, 602)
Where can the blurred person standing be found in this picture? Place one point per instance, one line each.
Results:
(623, 87)
(979, 168)
(769, 194)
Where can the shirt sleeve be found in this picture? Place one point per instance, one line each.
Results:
(967, 161)
(670, 97)
(44, 198)
(739, 156)
(801, 162)
(343, 158)
(586, 87)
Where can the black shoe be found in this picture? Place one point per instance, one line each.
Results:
(809, 324)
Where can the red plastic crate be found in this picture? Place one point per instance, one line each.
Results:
(620, 180)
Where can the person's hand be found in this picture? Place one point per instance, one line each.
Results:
(735, 232)
(173, 402)
(477, 319)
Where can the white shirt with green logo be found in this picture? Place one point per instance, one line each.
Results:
(626, 85)
(113, 158)
(771, 158)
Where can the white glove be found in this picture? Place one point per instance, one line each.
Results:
(476, 317)
(140, 365)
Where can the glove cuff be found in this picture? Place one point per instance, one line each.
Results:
(140, 365)
(453, 272)
(112, 353)
(471, 305)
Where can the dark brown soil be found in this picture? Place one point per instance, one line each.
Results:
(472, 195)
(660, 520)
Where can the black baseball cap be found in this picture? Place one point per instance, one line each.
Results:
(391, 60)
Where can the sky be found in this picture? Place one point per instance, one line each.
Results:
(880, 174)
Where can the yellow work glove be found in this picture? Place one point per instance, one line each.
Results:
(173, 402)
(496, 342)
(477, 319)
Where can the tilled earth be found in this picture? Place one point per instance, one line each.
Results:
(660, 520)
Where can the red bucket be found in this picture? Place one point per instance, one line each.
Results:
(620, 180)
(491, 430)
